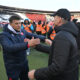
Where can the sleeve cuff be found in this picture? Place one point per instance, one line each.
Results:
(28, 45)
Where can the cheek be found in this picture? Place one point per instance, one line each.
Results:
(20, 25)
(55, 21)
(14, 26)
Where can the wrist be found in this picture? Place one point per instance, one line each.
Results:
(28, 45)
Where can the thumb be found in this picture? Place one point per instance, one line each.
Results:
(32, 37)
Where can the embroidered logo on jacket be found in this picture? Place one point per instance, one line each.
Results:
(22, 33)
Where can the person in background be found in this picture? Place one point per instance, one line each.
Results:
(15, 41)
(22, 27)
(27, 27)
(38, 28)
(75, 21)
(63, 56)
(43, 29)
(78, 37)
(51, 33)
(32, 26)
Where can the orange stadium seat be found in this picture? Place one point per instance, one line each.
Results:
(36, 17)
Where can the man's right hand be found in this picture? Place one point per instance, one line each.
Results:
(33, 42)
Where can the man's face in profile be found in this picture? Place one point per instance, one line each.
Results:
(57, 20)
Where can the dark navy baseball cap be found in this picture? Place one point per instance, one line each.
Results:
(63, 13)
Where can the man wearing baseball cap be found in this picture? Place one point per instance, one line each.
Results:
(63, 57)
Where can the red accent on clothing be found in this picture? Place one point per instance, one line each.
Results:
(22, 33)
(28, 45)
(10, 78)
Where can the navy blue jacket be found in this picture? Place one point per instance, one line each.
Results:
(14, 47)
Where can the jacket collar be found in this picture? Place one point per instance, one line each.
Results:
(12, 30)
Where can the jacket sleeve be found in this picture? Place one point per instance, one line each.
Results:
(30, 35)
(43, 48)
(9, 47)
(59, 60)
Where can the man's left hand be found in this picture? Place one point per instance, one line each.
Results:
(48, 41)
(31, 74)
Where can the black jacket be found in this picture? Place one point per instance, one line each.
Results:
(43, 48)
(63, 57)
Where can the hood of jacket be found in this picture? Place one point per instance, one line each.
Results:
(69, 27)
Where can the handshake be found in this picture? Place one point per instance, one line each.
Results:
(33, 42)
